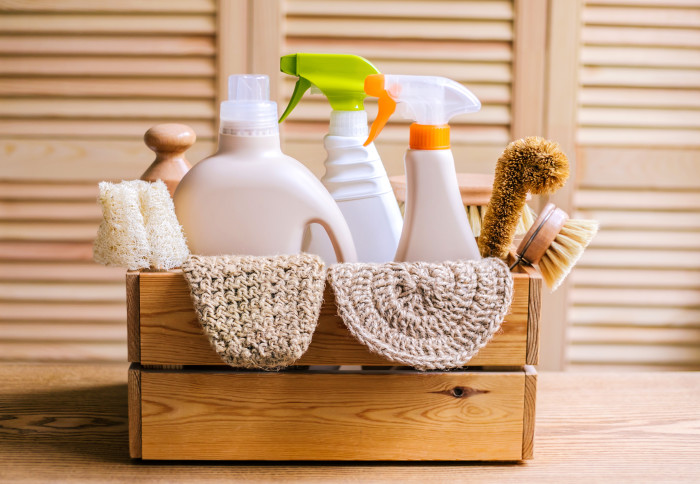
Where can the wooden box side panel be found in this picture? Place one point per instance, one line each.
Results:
(334, 416)
(134, 391)
(171, 335)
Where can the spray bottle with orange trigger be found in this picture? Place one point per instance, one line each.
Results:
(435, 226)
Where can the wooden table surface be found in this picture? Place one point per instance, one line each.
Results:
(66, 422)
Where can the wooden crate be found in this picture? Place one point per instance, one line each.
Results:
(185, 404)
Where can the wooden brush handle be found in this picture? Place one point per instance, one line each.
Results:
(539, 238)
(169, 142)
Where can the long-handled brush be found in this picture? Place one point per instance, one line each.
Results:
(532, 165)
(555, 243)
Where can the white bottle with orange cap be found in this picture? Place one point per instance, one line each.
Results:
(435, 226)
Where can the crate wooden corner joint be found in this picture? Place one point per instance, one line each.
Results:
(185, 404)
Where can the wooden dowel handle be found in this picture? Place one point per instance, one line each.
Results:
(169, 142)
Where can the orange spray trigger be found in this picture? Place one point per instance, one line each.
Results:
(374, 86)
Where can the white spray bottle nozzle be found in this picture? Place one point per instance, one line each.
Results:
(428, 100)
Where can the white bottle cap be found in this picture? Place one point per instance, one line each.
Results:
(249, 111)
(348, 123)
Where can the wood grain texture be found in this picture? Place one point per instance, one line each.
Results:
(68, 423)
(134, 383)
(332, 416)
(534, 311)
(530, 399)
(171, 334)
(133, 307)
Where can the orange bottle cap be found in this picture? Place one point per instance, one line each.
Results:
(429, 137)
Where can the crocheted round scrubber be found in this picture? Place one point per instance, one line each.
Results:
(258, 312)
(426, 315)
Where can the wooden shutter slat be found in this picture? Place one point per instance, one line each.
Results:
(654, 37)
(196, 88)
(46, 251)
(640, 77)
(635, 297)
(630, 117)
(36, 23)
(635, 316)
(105, 108)
(642, 17)
(131, 6)
(405, 49)
(634, 354)
(640, 57)
(635, 336)
(674, 138)
(66, 292)
(642, 239)
(472, 10)
(68, 332)
(55, 131)
(62, 351)
(399, 29)
(621, 219)
(641, 258)
(48, 231)
(638, 199)
(640, 97)
(59, 272)
(133, 45)
(53, 210)
(601, 277)
(62, 311)
(102, 66)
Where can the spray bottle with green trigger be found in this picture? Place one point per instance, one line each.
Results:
(355, 176)
(435, 227)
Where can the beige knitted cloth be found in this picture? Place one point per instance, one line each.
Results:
(429, 316)
(258, 312)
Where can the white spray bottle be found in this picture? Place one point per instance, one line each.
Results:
(355, 176)
(435, 227)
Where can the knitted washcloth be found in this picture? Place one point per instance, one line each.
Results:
(258, 312)
(429, 316)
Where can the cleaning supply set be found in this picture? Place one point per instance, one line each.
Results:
(355, 175)
(245, 210)
(414, 293)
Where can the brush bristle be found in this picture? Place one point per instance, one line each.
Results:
(566, 250)
(474, 216)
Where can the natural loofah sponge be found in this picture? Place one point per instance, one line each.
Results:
(139, 227)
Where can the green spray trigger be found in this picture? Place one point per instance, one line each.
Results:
(340, 77)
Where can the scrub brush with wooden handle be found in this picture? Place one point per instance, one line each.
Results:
(532, 165)
(555, 243)
(475, 189)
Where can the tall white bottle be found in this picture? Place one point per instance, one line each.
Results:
(355, 176)
(436, 227)
(357, 180)
(249, 198)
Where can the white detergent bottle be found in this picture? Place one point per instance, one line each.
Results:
(355, 175)
(249, 198)
(436, 227)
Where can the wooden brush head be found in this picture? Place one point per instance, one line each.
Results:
(541, 235)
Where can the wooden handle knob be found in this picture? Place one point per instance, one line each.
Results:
(169, 142)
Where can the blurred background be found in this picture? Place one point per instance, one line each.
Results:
(616, 82)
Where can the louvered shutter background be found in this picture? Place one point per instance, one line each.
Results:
(636, 294)
(80, 82)
(469, 41)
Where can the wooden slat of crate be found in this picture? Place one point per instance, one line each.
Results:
(169, 333)
(229, 415)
